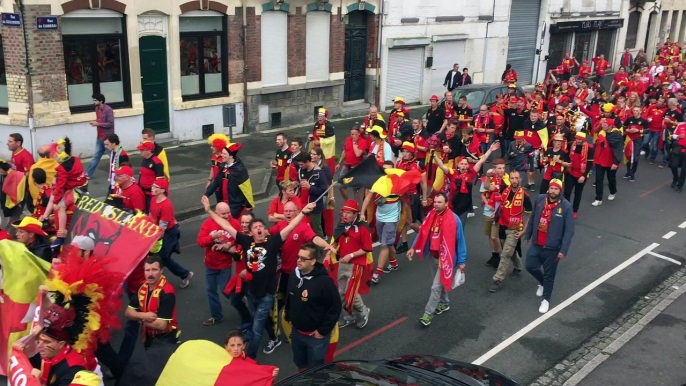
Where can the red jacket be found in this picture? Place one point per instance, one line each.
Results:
(70, 175)
(215, 259)
(609, 148)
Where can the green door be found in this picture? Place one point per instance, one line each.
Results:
(154, 82)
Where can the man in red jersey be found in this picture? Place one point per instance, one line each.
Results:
(151, 170)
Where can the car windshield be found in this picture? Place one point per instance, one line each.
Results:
(361, 373)
(474, 97)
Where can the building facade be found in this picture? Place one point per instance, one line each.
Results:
(650, 23)
(422, 39)
(188, 68)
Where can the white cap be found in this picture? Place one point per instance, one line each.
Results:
(84, 243)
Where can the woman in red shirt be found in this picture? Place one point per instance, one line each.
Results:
(620, 76)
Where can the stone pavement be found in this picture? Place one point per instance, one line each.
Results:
(189, 164)
(644, 346)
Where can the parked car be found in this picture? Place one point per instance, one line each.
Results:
(482, 94)
(419, 370)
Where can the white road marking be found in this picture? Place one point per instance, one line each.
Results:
(683, 225)
(538, 321)
(669, 235)
(677, 262)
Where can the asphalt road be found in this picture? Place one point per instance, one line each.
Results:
(595, 284)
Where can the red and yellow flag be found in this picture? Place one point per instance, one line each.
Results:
(22, 274)
(201, 362)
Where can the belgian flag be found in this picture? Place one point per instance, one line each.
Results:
(364, 175)
(239, 178)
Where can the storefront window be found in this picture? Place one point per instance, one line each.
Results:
(203, 49)
(95, 61)
(3, 81)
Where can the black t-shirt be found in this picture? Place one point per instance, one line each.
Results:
(261, 262)
(676, 116)
(461, 202)
(514, 120)
(165, 305)
(434, 119)
(463, 112)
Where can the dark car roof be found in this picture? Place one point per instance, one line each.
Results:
(424, 369)
(481, 86)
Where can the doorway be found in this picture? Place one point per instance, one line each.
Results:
(355, 55)
(153, 51)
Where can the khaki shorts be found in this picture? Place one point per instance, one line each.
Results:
(491, 227)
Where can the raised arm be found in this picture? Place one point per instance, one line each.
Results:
(217, 218)
(440, 164)
(494, 146)
(296, 221)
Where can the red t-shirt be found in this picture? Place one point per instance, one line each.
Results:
(134, 198)
(101, 135)
(657, 114)
(350, 158)
(354, 239)
(540, 240)
(276, 207)
(620, 77)
(215, 259)
(302, 234)
(420, 141)
(162, 211)
(22, 160)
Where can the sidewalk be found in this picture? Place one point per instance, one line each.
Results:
(189, 165)
(653, 354)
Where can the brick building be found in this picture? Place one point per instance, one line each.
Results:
(181, 66)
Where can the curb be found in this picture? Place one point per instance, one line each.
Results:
(583, 360)
(626, 337)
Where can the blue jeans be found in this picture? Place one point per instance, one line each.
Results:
(261, 321)
(538, 257)
(239, 305)
(170, 244)
(650, 143)
(131, 330)
(99, 151)
(216, 278)
(308, 351)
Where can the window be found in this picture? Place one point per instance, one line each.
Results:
(96, 60)
(317, 51)
(204, 53)
(274, 30)
(632, 29)
(3, 81)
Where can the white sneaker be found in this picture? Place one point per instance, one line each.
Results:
(539, 290)
(544, 307)
(643, 152)
(611, 197)
(597, 203)
(470, 215)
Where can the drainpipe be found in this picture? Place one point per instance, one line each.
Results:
(488, 23)
(378, 53)
(245, 68)
(27, 72)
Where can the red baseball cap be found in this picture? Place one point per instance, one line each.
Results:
(351, 205)
(434, 98)
(125, 170)
(146, 145)
(162, 183)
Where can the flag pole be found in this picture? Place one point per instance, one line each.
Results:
(327, 191)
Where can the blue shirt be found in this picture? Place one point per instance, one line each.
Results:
(388, 212)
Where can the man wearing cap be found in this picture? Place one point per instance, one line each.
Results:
(453, 78)
(609, 151)
(581, 159)
(520, 154)
(549, 233)
(233, 181)
(148, 134)
(324, 137)
(601, 66)
(30, 233)
(118, 158)
(555, 159)
(133, 196)
(634, 127)
(151, 170)
(353, 243)
(435, 116)
(379, 148)
(398, 107)
(85, 244)
(162, 213)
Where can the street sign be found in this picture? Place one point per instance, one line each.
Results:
(11, 20)
(46, 22)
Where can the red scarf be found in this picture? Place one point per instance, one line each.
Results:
(546, 214)
(73, 359)
(462, 177)
(447, 242)
(153, 305)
